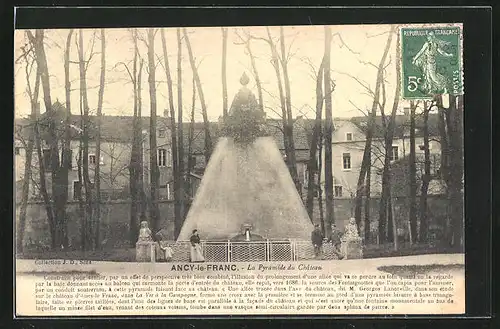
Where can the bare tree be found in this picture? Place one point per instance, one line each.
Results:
(426, 177)
(59, 189)
(190, 162)
(389, 135)
(363, 179)
(224, 77)
(288, 103)
(320, 189)
(97, 176)
(154, 211)
(27, 177)
(180, 139)
(208, 139)
(136, 164)
(328, 129)
(173, 130)
(87, 239)
(312, 166)
(412, 169)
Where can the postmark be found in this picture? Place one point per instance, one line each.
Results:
(431, 61)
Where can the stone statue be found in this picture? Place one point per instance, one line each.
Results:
(145, 232)
(145, 246)
(351, 230)
(352, 245)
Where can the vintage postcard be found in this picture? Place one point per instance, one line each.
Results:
(270, 170)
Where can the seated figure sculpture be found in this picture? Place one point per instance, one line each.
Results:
(145, 246)
(352, 246)
(145, 232)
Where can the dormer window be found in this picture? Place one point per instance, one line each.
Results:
(348, 137)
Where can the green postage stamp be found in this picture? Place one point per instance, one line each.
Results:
(431, 61)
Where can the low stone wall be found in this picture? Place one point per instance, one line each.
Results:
(116, 216)
(115, 224)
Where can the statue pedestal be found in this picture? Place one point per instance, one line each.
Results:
(352, 248)
(145, 251)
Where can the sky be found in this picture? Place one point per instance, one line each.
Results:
(353, 48)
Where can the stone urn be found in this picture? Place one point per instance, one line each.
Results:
(145, 246)
(352, 245)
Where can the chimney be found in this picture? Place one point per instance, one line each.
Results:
(165, 113)
(406, 111)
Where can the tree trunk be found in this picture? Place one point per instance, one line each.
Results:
(426, 178)
(208, 139)
(28, 162)
(97, 177)
(413, 174)
(328, 129)
(190, 164)
(388, 150)
(142, 191)
(66, 152)
(366, 162)
(320, 190)
(85, 143)
(57, 191)
(135, 156)
(312, 166)
(180, 134)
(154, 172)
(393, 223)
(224, 77)
(175, 153)
(256, 75)
(288, 103)
(286, 140)
(390, 218)
(367, 193)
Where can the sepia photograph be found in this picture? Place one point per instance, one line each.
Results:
(239, 170)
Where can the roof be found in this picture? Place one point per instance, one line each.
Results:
(113, 128)
(402, 125)
(119, 129)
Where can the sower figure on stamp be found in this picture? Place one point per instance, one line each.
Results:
(196, 253)
(434, 82)
(336, 242)
(317, 240)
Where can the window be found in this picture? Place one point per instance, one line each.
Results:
(17, 150)
(92, 159)
(161, 133)
(77, 192)
(162, 157)
(46, 159)
(394, 153)
(338, 191)
(348, 136)
(346, 161)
